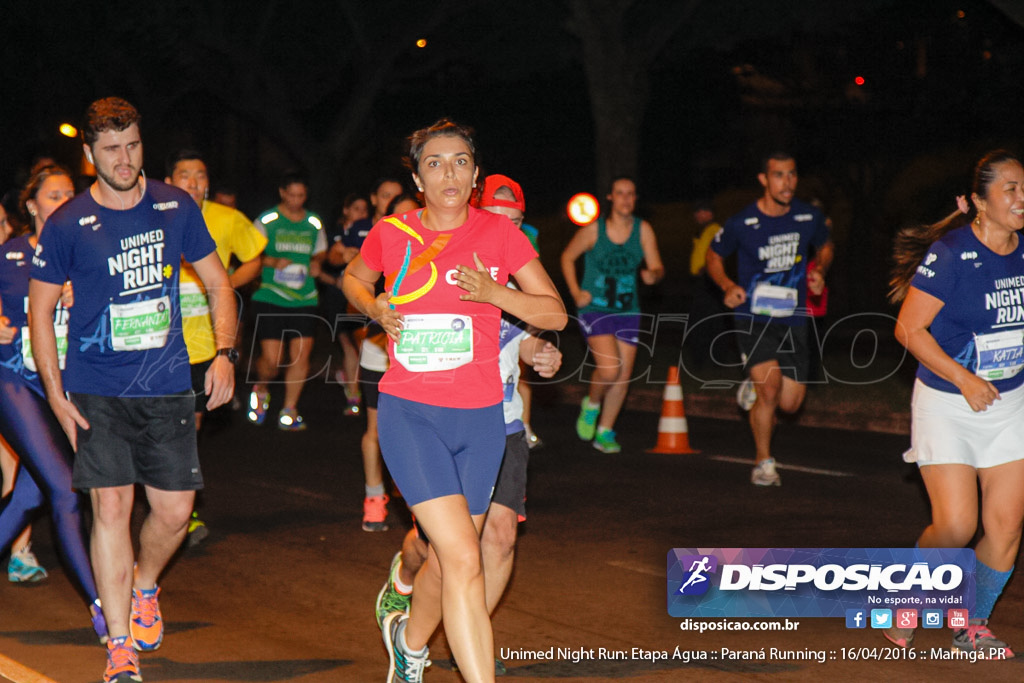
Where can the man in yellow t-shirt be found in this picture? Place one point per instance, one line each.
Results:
(708, 228)
(709, 317)
(235, 236)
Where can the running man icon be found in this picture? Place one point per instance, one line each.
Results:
(697, 570)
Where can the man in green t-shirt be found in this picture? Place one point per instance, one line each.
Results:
(285, 305)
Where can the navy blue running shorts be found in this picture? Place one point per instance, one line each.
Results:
(433, 451)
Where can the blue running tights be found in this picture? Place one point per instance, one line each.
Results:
(29, 426)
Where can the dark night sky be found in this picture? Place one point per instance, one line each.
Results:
(738, 78)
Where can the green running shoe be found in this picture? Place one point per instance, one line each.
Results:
(605, 441)
(388, 599)
(586, 423)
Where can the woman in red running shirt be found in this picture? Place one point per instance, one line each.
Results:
(439, 414)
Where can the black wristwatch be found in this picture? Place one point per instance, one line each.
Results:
(231, 353)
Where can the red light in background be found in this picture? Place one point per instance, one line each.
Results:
(859, 80)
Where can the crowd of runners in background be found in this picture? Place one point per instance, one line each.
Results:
(435, 278)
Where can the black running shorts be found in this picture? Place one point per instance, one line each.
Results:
(281, 323)
(760, 342)
(510, 489)
(147, 440)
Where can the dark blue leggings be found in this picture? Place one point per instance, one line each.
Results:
(29, 426)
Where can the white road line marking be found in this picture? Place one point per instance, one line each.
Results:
(11, 670)
(294, 490)
(637, 567)
(795, 468)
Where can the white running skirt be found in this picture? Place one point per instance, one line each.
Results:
(945, 431)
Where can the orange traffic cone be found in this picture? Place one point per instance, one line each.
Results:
(672, 430)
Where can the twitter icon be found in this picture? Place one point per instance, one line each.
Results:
(881, 618)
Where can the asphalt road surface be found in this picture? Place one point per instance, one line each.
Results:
(283, 588)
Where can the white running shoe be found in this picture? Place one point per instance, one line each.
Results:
(746, 395)
(532, 440)
(764, 474)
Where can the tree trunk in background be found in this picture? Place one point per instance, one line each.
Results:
(618, 86)
(616, 62)
(618, 102)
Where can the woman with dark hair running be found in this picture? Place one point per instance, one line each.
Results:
(608, 300)
(959, 319)
(26, 421)
(440, 417)
(342, 248)
(23, 567)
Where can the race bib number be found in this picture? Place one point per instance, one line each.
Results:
(999, 355)
(617, 292)
(59, 331)
(434, 342)
(293, 275)
(773, 300)
(140, 325)
(193, 301)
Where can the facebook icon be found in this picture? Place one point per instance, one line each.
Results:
(856, 618)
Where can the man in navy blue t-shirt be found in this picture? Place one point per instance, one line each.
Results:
(129, 408)
(773, 239)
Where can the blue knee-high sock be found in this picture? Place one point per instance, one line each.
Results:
(989, 584)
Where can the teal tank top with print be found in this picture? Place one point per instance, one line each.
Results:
(609, 272)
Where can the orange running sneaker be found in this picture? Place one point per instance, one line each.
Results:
(375, 513)
(122, 661)
(147, 626)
